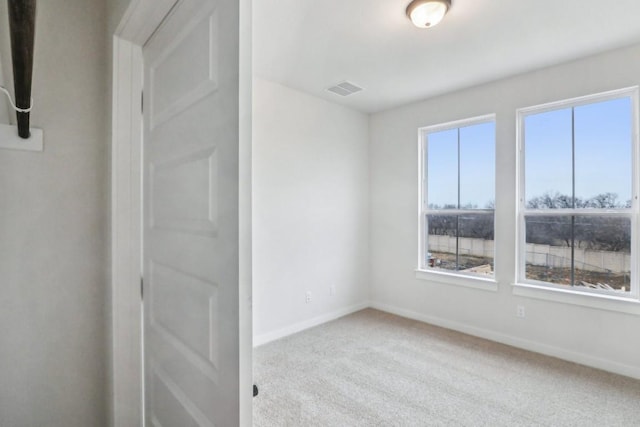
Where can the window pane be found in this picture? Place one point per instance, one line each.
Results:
(548, 156)
(462, 243)
(442, 169)
(477, 165)
(603, 154)
(600, 257)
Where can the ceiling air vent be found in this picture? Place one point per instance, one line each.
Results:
(344, 89)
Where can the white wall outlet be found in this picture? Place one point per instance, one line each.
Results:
(307, 298)
(520, 311)
(332, 290)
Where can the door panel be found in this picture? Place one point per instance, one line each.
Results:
(184, 193)
(191, 259)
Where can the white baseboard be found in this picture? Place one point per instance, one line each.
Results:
(259, 340)
(548, 350)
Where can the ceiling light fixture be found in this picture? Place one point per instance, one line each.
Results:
(427, 13)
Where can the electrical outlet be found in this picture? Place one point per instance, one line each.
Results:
(520, 311)
(307, 298)
(332, 290)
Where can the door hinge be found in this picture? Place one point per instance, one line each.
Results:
(141, 288)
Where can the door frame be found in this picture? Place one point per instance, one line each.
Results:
(138, 23)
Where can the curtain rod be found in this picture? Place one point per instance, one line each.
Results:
(22, 23)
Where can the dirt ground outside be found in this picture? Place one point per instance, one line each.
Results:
(447, 261)
(562, 276)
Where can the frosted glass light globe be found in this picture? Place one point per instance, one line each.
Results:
(427, 13)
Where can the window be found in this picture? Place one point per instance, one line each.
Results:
(578, 205)
(458, 197)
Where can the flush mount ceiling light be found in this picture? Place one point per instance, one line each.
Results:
(427, 13)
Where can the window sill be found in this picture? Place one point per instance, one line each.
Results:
(474, 282)
(629, 305)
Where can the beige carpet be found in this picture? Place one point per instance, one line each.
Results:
(377, 369)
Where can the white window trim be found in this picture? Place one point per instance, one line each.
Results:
(567, 296)
(467, 280)
(628, 303)
(443, 276)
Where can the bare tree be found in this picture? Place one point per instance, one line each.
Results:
(598, 233)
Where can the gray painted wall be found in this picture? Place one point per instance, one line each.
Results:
(115, 11)
(4, 104)
(5, 65)
(53, 219)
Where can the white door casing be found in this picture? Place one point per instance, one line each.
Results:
(191, 217)
(136, 26)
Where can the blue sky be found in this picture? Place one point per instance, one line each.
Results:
(603, 156)
(477, 165)
(602, 150)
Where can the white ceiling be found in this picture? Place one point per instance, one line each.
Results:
(310, 45)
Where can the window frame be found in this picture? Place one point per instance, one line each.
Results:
(478, 281)
(632, 213)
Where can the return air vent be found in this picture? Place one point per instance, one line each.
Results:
(344, 89)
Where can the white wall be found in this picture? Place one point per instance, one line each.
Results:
(593, 336)
(53, 220)
(310, 209)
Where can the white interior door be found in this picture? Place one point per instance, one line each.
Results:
(191, 237)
